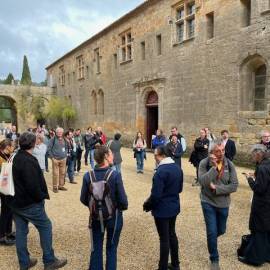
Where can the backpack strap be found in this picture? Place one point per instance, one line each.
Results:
(92, 176)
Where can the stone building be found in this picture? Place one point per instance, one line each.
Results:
(169, 62)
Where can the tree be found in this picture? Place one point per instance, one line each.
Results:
(9, 79)
(26, 76)
(60, 111)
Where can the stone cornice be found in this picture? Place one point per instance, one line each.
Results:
(148, 80)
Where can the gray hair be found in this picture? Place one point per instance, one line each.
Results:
(214, 144)
(258, 148)
(59, 129)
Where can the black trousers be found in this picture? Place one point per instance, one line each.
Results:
(168, 242)
(86, 155)
(5, 218)
(77, 163)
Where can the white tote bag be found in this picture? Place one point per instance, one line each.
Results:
(6, 178)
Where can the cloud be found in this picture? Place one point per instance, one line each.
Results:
(47, 29)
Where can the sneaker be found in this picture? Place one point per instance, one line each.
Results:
(214, 266)
(58, 263)
(32, 263)
(62, 188)
(55, 190)
(12, 236)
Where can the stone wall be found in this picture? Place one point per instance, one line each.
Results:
(199, 81)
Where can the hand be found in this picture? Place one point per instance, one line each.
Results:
(213, 160)
(147, 206)
(205, 146)
(212, 186)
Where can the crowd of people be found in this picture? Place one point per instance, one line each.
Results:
(104, 194)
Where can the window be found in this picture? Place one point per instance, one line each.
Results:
(87, 72)
(259, 88)
(94, 102)
(185, 21)
(97, 60)
(210, 26)
(126, 46)
(143, 50)
(80, 67)
(115, 60)
(158, 40)
(246, 13)
(68, 78)
(62, 75)
(100, 101)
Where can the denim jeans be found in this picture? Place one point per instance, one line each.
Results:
(117, 167)
(140, 160)
(215, 220)
(92, 162)
(70, 168)
(96, 260)
(36, 215)
(168, 242)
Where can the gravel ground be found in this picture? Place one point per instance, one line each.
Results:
(139, 246)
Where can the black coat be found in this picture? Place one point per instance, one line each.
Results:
(200, 152)
(230, 149)
(29, 182)
(260, 208)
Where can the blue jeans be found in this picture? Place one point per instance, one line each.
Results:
(96, 260)
(215, 220)
(36, 215)
(92, 161)
(140, 160)
(70, 168)
(117, 167)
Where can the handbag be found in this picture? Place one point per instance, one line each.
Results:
(6, 178)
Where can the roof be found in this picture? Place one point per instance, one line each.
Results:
(128, 15)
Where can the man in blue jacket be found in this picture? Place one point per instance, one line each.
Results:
(164, 202)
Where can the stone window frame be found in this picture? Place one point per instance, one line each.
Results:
(185, 20)
(248, 70)
(100, 102)
(210, 25)
(80, 67)
(246, 13)
(94, 102)
(97, 58)
(126, 46)
(62, 75)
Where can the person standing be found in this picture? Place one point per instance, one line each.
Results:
(164, 202)
(230, 149)
(71, 155)
(175, 150)
(113, 225)
(79, 149)
(40, 151)
(115, 146)
(13, 134)
(181, 139)
(7, 238)
(100, 134)
(57, 150)
(139, 146)
(200, 152)
(88, 145)
(218, 179)
(257, 251)
(28, 206)
(159, 139)
(265, 139)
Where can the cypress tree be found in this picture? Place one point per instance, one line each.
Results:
(26, 76)
(9, 79)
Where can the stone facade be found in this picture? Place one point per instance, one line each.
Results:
(205, 79)
(13, 94)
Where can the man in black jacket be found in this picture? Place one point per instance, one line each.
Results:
(230, 149)
(13, 135)
(28, 205)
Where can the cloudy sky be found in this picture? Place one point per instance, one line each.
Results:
(44, 30)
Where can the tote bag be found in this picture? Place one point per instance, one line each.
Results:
(6, 178)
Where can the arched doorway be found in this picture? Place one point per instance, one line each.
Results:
(8, 112)
(151, 116)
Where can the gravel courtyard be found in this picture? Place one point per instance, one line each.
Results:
(139, 247)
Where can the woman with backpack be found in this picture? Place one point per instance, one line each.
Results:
(103, 192)
(139, 146)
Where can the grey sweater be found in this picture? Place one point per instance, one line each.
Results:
(224, 187)
(56, 149)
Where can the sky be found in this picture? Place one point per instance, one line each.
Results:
(44, 30)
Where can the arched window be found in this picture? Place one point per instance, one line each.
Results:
(100, 102)
(259, 88)
(253, 84)
(94, 102)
